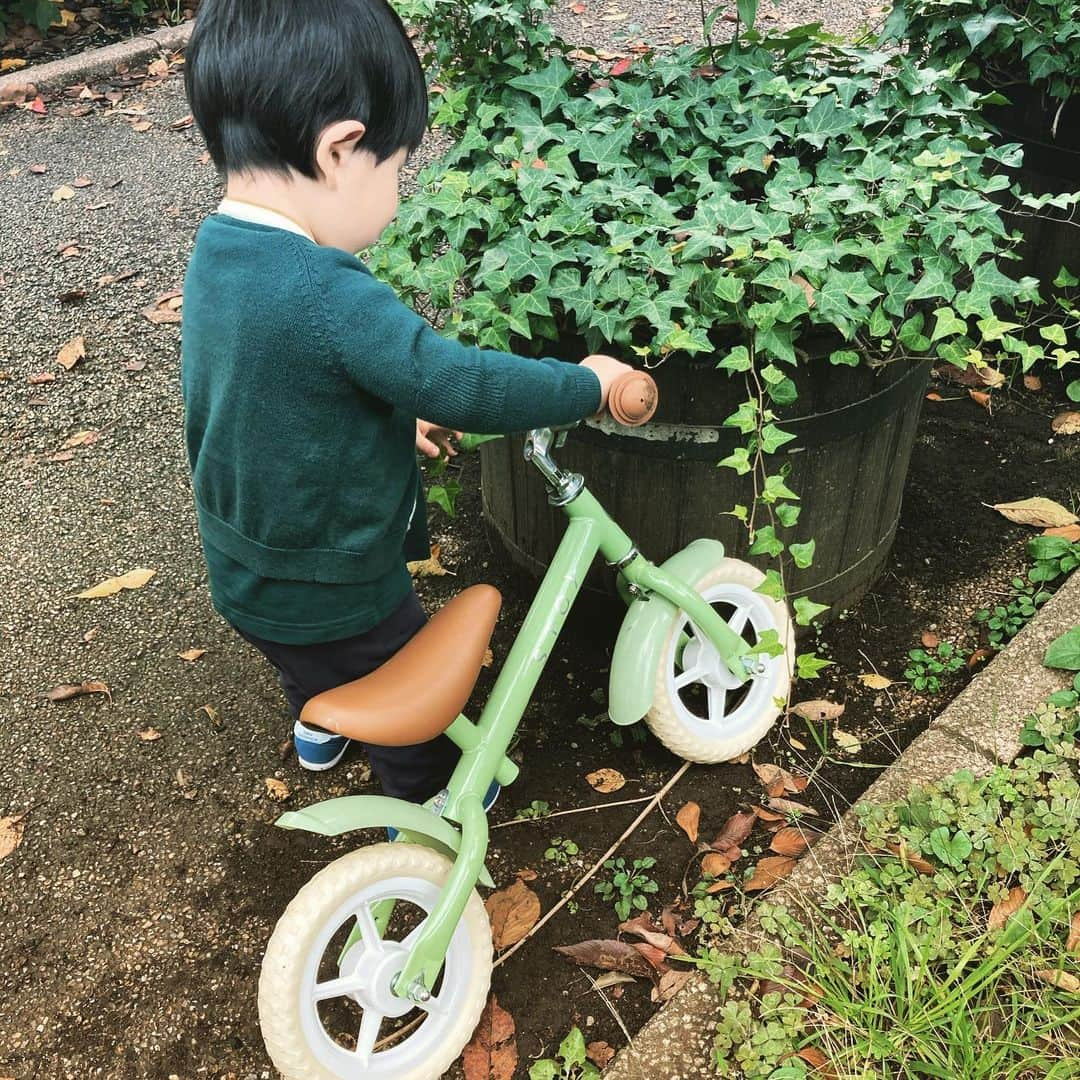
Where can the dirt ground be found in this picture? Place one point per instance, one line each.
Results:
(137, 907)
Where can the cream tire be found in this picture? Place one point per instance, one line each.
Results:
(296, 1040)
(733, 720)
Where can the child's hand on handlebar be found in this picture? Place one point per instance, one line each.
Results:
(607, 370)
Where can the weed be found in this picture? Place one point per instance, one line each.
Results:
(926, 666)
(629, 888)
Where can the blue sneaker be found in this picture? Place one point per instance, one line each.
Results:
(490, 796)
(317, 750)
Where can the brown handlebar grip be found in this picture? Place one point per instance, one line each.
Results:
(633, 398)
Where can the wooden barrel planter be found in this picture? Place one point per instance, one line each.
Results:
(1051, 166)
(854, 429)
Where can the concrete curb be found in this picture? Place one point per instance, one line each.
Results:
(979, 730)
(82, 67)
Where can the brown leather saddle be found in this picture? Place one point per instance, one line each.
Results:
(419, 692)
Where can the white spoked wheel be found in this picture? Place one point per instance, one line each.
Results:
(700, 710)
(328, 1015)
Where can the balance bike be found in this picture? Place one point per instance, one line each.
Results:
(380, 966)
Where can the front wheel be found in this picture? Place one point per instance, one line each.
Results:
(326, 1004)
(700, 711)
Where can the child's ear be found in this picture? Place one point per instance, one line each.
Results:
(336, 143)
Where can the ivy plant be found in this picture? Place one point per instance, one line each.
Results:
(1036, 42)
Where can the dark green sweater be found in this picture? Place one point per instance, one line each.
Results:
(303, 377)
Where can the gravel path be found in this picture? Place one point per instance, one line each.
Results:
(137, 906)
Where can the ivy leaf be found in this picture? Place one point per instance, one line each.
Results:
(1064, 652)
(810, 665)
(803, 554)
(947, 324)
(980, 26)
(546, 84)
(807, 610)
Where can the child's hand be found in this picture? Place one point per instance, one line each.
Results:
(433, 441)
(607, 370)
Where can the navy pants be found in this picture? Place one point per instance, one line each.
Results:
(413, 772)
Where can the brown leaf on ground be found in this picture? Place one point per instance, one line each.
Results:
(765, 815)
(1066, 423)
(212, 713)
(11, 833)
(71, 353)
(1041, 512)
(41, 378)
(689, 819)
(980, 397)
(428, 567)
(526, 873)
(277, 790)
(790, 841)
(818, 1062)
(912, 858)
(777, 780)
(492, 1053)
(714, 864)
(978, 656)
(1003, 910)
(1073, 943)
(934, 396)
(191, 655)
(149, 734)
(63, 193)
(875, 681)
(818, 710)
(133, 579)
(67, 691)
(790, 806)
(599, 1053)
(768, 872)
(1032, 382)
(643, 927)
(610, 956)
(979, 377)
(1070, 532)
(671, 982)
(929, 639)
(656, 957)
(1061, 980)
(513, 912)
(165, 308)
(734, 833)
(81, 438)
(720, 886)
(606, 781)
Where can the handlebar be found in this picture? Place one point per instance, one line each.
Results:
(632, 399)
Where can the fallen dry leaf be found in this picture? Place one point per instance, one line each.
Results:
(817, 1061)
(606, 781)
(912, 858)
(277, 790)
(688, 819)
(768, 872)
(980, 397)
(765, 815)
(671, 982)
(11, 833)
(165, 308)
(1061, 980)
(67, 691)
(600, 1053)
(643, 927)
(1032, 382)
(191, 655)
(818, 710)
(149, 734)
(875, 681)
(71, 353)
(492, 1053)
(1040, 512)
(1073, 943)
(929, 639)
(656, 957)
(1003, 910)
(212, 713)
(513, 912)
(38, 170)
(847, 742)
(133, 579)
(81, 182)
(715, 865)
(428, 567)
(81, 438)
(934, 396)
(609, 955)
(41, 378)
(735, 831)
(1070, 532)
(1066, 423)
(790, 841)
(790, 806)
(63, 193)
(777, 780)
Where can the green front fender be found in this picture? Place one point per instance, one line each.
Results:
(415, 824)
(644, 632)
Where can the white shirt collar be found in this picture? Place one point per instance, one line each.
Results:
(261, 215)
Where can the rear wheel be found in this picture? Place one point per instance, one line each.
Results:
(700, 710)
(327, 1007)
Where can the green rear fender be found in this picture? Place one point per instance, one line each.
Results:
(644, 631)
(415, 824)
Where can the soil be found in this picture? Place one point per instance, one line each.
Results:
(93, 25)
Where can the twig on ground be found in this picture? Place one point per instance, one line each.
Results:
(576, 810)
(654, 801)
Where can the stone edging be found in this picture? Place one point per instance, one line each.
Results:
(80, 68)
(979, 730)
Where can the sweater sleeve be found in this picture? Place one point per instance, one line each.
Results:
(391, 352)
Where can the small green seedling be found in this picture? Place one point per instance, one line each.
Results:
(570, 1063)
(536, 810)
(561, 851)
(1005, 621)
(926, 666)
(629, 889)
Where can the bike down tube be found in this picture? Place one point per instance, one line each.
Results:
(497, 724)
(615, 545)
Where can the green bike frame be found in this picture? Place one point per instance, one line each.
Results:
(655, 595)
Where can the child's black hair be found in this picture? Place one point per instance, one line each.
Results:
(265, 77)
